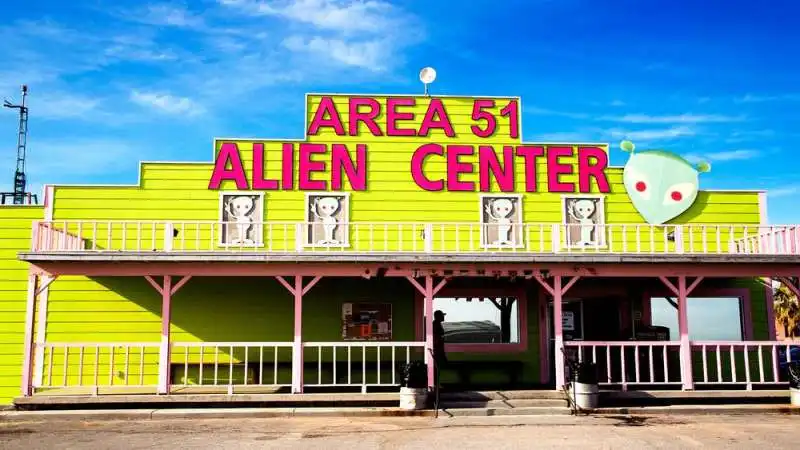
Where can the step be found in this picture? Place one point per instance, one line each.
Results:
(524, 411)
(513, 403)
(501, 395)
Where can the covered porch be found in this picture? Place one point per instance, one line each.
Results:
(171, 366)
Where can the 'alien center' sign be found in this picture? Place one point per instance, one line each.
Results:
(661, 185)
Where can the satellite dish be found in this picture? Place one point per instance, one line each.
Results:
(427, 75)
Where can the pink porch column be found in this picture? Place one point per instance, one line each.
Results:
(34, 289)
(167, 290)
(558, 332)
(428, 311)
(429, 291)
(27, 365)
(557, 291)
(298, 291)
(164, 352)
(682, 291)
(683, 329)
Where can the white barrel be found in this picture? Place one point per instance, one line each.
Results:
(586, 395)
(794, 396)
(413, 398)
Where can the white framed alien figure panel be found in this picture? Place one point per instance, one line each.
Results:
(583, 217)
(501, 221)
(327, 215)
(241, 219)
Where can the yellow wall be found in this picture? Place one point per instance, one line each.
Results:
(15, 232)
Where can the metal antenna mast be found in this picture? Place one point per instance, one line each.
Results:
(20, 182)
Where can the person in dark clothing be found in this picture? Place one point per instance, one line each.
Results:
(439, 356)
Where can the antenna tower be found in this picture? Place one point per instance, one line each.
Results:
(20, 196)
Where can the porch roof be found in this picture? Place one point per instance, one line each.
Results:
(396, 257)
(401, 264)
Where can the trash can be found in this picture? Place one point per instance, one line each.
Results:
(794, 383)
(585, 387)
(413, 385)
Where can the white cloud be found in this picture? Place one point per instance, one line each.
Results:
(680, 118)
(167, 103)
(368, 55)
(753, 98)
(652, 134)
(730, 155)
(338, 15)
(784, 191)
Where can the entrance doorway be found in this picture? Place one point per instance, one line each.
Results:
(586, 319)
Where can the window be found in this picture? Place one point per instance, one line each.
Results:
(501, 220)
(480, 320)
(710, 318)
(584, 221)
(241, 215)
(327, 215)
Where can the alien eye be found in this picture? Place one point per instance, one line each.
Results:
(637, 182)
(678, 192)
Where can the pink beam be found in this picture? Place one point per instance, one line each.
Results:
(298, 291)
(456, 269)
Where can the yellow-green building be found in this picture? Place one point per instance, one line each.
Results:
(317, 263)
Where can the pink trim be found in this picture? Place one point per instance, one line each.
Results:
(27, 364)
(742, 293)
(544, 335)
(517, 292)
(770, 305)
(762, 208)
(403, 270)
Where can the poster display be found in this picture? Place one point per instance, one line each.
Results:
(367, 321)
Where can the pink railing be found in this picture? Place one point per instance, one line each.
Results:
(783, 239)
(626, 363)
(743, 363)
(48, 236)
(414, 237)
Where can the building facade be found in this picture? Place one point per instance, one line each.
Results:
(316, 263)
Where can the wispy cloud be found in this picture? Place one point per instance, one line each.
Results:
(167, 103)
(730, 155)
(784, 191)
(679, 118)
(651, 134)
(756, 98)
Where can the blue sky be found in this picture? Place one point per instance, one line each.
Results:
(115, 82)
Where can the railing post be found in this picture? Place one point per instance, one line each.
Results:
(556, 238)
(298, 236)
(428, 231)
(169, 232)
(679, 240)
(35, 236)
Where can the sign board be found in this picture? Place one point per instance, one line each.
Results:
(568, 321)
(367, 321)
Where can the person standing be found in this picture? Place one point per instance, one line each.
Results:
(439, 356)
